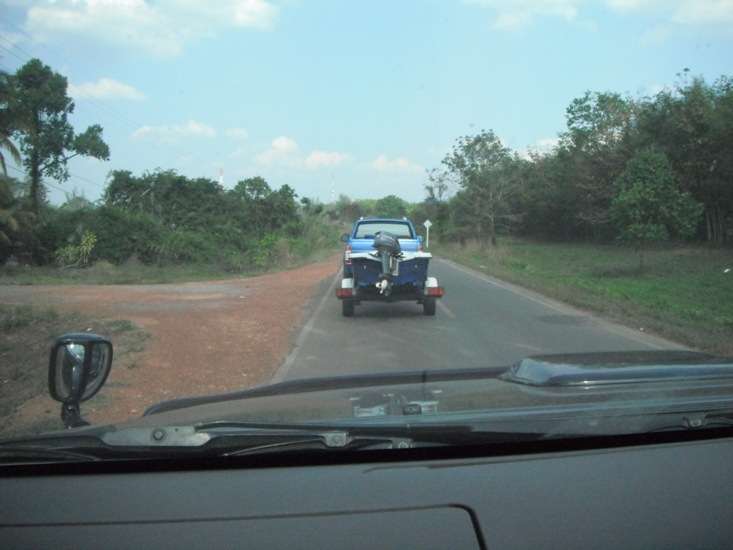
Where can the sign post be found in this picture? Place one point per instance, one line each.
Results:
(427, 225)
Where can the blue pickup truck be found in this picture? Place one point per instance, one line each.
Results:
(384, 261)
(361, 238)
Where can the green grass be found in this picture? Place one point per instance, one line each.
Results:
(104, 273)
(17, 317)
(682, 293)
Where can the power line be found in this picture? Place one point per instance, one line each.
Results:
(113, 115)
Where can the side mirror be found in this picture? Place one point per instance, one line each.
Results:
(78, 367)
(345, 238)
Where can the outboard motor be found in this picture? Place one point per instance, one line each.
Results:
(388, 250)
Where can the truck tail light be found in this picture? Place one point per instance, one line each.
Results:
(347, 255)
(435, 291)
(344, 292)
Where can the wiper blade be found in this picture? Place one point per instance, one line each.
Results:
(59, 447)
(611, 423)
(322, 441)
(24, 454)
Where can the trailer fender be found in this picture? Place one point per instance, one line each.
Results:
(432, 288)
(346, 290)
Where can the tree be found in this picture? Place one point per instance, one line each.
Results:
(176, 199)
(435, 205)
(5, 117)
(549, 200)
(482, 166)
(649, 208)
(391, 206)
(693, 125)
(39, 108)
(9, 225)
(596, 149)
(9, 146)
(252, 189)
(347, 210)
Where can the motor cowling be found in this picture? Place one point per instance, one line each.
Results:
(386, 242)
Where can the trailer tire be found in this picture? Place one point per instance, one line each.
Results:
(429, 306)
(347, 308)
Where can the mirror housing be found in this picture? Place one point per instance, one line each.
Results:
(78, 367)
(345, 238)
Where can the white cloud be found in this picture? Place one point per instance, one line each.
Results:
(285, 151)
(234, 13)
(105, 89)
(282, 150)
(401, 164)
(547, 144)
(326, 158)
(160, 29)
(517, 14)
(657, 35)
(694, 12)
(176, 132)
(237, 133)
(710, 13)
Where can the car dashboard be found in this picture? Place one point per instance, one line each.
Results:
(615, 493)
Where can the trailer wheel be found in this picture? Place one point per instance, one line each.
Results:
(429, 306)
(347, 308)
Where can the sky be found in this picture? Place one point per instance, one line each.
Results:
(334, 97)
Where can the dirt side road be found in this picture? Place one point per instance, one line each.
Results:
(203, 337)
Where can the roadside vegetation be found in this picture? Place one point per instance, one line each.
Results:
(684, 293)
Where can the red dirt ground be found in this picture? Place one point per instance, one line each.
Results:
(204, 337)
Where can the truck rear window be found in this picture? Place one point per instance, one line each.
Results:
(368, 229)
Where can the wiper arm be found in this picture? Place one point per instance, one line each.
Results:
(240, 438)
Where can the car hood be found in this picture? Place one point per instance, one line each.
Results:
(642, 381)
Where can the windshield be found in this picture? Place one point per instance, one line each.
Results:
(500, 217)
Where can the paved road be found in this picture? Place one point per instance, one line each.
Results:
(479, 322)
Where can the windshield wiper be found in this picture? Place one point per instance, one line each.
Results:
(238, 438)
(224, 439)
(229, 438)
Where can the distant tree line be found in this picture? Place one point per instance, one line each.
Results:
(630, 170)
(159, 217)
(635, 171)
